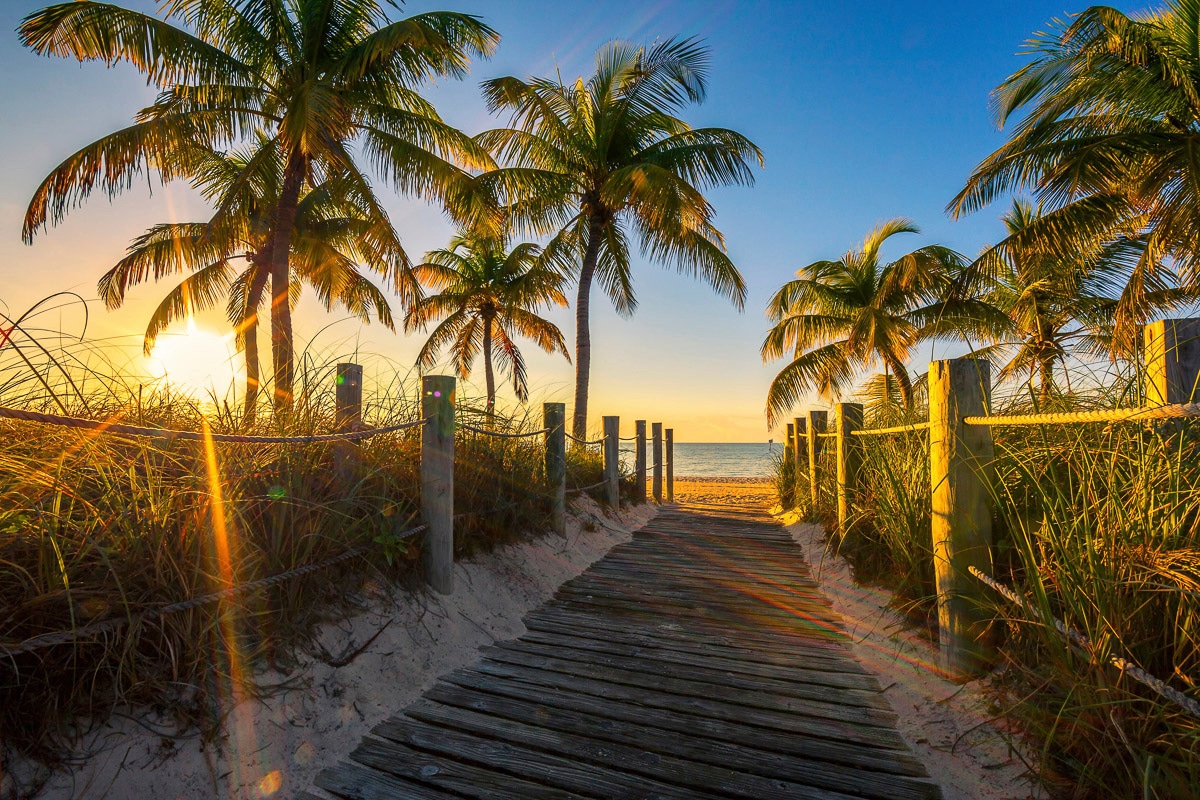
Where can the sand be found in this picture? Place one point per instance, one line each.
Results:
(275, 748)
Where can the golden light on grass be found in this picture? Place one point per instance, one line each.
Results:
(200, 363)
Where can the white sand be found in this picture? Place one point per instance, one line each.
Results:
(277, 748)
(947, 724)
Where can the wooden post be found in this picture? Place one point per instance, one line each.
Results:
(817, 420)
(960, 459)
(348, 393)
(787, 492)
(657, 468)
(1172, 361)
(612, 463)
(437, 480)
(639, 461)
(670, 465)
(554, 420)
(800, 456)
(848, 418)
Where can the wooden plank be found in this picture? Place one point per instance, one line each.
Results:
(727, 750)
(769, 740)
(462, 777)
(793, 720)
(629, 751)
(670, 642)
(838, 706)
(646, 659)
(809, 683)
(544, 768)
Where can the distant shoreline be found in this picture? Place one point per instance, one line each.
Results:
(715, 479)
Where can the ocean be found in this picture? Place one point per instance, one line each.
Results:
(715, 460)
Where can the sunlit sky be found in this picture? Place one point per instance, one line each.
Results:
(865, 111)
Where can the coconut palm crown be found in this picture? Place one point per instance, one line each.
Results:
(229, 256)
(603, 161)
(487, 296)
(1108, 113)
(321, 78)
(837, 318)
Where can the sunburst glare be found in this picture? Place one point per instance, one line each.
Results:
(198, 362)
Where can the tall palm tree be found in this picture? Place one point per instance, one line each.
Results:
(606, 159)
(488, 296)
(229, 256)
(1109, 112)
(321, 78)
(837, 318)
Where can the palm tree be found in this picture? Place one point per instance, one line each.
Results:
(1059, 306)
(318, 77)
(838, 317)
(601, 161)
(229, 256)
(487, 298)
(1109, 112)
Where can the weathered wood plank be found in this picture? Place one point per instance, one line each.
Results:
(357, 782)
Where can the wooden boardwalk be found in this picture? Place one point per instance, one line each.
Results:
(697, 660)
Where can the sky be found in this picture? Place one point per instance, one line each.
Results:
(864, 111)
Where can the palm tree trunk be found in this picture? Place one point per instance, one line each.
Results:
(488, 374)
(250, 337)
(282, 344)
(583, 335)
(902, 380)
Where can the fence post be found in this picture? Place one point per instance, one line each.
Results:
(787, 492)
(437, 480)
(849, 419)
(670, 465)
(639, 461)
(612, 430)
(554, 420)
(656, 450)
(817, 420)
(800, 456)
(348, 392)
(1172, 361)
(960, 457)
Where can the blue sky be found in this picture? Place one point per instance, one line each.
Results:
(865, 111)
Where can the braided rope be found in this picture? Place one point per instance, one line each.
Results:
(63, 637)
(627, 438)
(498, 435)
(829, 435)
(587, 488)
(584, 442)
(195, 436)
(1109, 415)
(916, 426)
(1188, 704)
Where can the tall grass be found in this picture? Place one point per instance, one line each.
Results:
(1098, 526)
(100, 526)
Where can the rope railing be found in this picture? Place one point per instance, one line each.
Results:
(1127, 667)
(104, 426)
(627, 438)
(104, 626)
(584, 442)
(500, 434)
(587, 488)
(1177, 411)
(827, 435)
(916, 426)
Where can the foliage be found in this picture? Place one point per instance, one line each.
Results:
(317, 78)
(839, 316)
(596, 162)
(488, 296)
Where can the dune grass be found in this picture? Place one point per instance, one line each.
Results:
(1096, 525)
(95, 527)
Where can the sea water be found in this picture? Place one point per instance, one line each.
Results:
(715, 460)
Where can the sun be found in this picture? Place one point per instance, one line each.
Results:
(200, 362)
